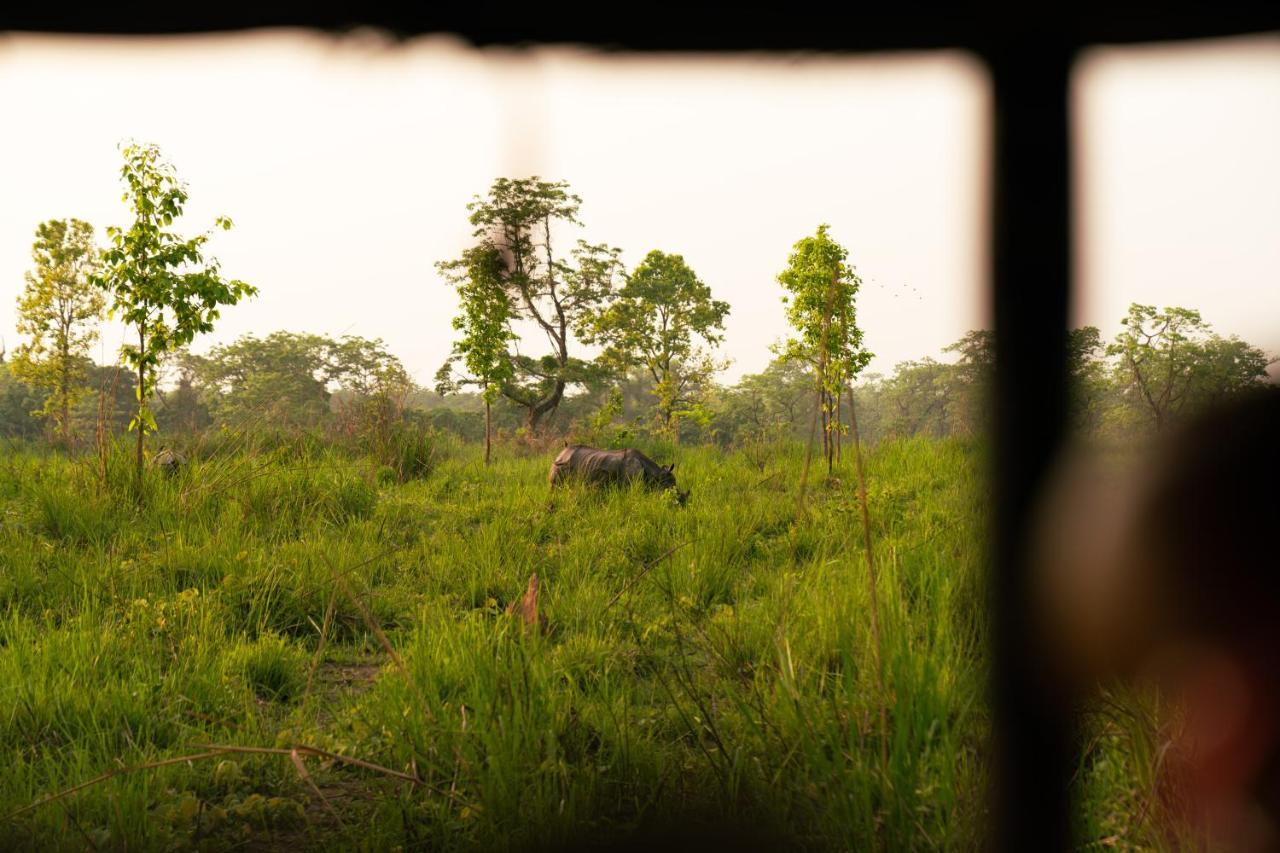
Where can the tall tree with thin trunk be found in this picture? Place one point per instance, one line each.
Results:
(161, 285)
(518, 220)
(820, 289)
(60, 311)
(485, 327)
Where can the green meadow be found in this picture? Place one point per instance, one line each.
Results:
(329, 642)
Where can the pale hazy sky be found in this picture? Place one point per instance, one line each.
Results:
(347, 166)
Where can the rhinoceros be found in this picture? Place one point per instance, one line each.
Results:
(617, 467)
(169, 461)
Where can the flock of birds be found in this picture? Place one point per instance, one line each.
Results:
(915, 294)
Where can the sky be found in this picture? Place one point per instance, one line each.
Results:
(347, 163)
(1179, 184)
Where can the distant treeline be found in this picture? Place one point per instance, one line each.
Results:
(1163, 364)
(656, 330)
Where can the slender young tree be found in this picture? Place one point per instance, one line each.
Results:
(485, 324)
(820, 288)
(60, 311)
(664, 321)
(161, 285)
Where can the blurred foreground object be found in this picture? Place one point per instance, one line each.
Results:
(1163, 570)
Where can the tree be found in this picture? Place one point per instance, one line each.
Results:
(658, 321)
(372, 387)
(182, 408)
(1157, 350)
(820, 291)
(516, 221)
(298, 380)
(918, 398)
(59, 310)
(17, 402)
(821, 287)
(1227, 366)
(1169, 360)
(282, 378)
(970, 397)
(1086, 376)
(162, 286)
(485, 324)
(767, 407)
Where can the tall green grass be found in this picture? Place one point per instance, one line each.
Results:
(710, 662)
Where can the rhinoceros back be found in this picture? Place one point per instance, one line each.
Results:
(594, 465)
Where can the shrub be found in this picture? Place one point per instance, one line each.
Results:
(410, 451)
(273, 667)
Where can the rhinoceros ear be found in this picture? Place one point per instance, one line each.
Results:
(671, 467)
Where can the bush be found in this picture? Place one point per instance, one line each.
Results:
(410, 451)
(273, 667)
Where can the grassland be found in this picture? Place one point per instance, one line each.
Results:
(711, 663)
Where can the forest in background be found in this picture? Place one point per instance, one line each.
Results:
(294, 381)
(547, 343)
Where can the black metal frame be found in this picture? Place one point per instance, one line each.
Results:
(1029, 55)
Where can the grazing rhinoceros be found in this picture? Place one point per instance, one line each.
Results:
(604, 467)
(168, 461)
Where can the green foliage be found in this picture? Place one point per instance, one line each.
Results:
(821, 287)
(484, 324)
(1168, 361)
(766, 407)
(974, 373)
(59, 311)
(281, 379)
(600, 428)
(370, 402)
(161, 284)
(1086, 371)
(410, 451)
(514, 224)
(661, 320)
(351, 385)
(17, 401)
(485, 327)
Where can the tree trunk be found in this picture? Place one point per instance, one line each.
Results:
(808, 458)
(828, 418)
(839, 440)
(826, 433)
(141, 404)
(66, 409)
(537, 410)
(871, 583)
(487, 420)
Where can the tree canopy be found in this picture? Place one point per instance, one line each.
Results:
(516, 226)
(665, 321)
(820, 291)
(59, 311)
